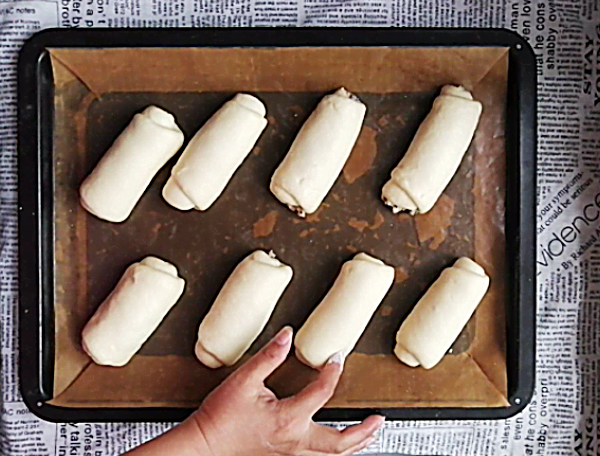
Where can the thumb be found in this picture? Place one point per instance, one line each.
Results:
(269, 358)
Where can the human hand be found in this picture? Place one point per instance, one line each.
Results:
(242, 417)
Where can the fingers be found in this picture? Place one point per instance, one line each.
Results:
(359, 447)
(316, 394)
(365, 429)
(324, 439)
(269, 358)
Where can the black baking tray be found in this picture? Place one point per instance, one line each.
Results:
(36, 216)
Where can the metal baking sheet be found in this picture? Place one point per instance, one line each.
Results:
(206, 246)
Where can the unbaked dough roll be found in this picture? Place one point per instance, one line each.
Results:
(319, 152)
(134, 309)
(435, 152)
(342, 316)
(242, 309)
(441, 314)
(120, 178)
(215, 153)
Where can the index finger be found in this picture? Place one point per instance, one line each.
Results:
(269, 358)
(327, 440)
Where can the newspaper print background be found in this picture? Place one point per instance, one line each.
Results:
(563, 417)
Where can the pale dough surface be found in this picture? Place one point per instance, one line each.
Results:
(132, 312)
(215, 153)
(339, 320)
(441, 314)
(435, 152)
(242, 309)
(120, 178)
(319, 152)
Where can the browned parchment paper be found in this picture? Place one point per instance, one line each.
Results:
(97, 93)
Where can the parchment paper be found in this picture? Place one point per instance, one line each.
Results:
(97, 93)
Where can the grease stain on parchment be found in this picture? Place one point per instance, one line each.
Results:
(265, 225)
(316, 216)
(362, 225)
(435, 223)
(362, 156)
(401, 275)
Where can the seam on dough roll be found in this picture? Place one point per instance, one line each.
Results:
(242, 309)
(132, 311)
(339, 320)
(160, 265)
(440, 315)
(434, 154)
(99, 214)
(117, 182)
(288, 199)
(401, 200)
(161, 118)
(174, 195)
(216, 151)
(319, 152)
(405, 356)
(205, 357)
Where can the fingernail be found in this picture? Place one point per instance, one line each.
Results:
(284, 335)
(337, 358)
(381, 421)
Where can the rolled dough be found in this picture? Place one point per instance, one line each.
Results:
(342, 316)
(215, 153)
(122, 175)
(319, 152)
(242, 309)
(441, 314)
(435, 152)
(133, 310)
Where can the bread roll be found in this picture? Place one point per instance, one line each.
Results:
(342, 316)
(441, 314)
(134, 309)
(214, 153)
(242, 309)
(120, 178)
(435, 152)
(319, 152)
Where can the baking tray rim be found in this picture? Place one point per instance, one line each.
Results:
(36, 253)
